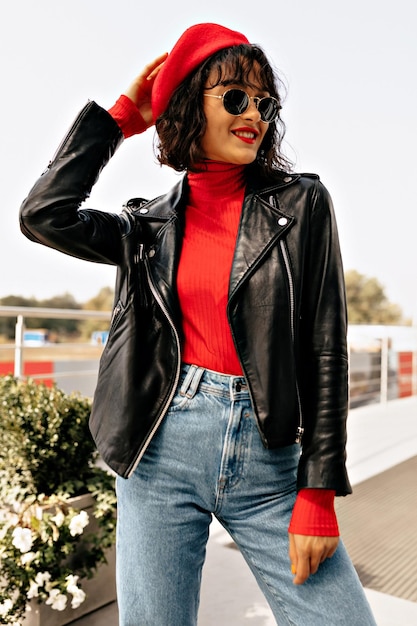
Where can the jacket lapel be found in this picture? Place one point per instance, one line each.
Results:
(262, 224)
(162, 220)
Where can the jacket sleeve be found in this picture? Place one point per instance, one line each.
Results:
(323, 346)
(51, 213)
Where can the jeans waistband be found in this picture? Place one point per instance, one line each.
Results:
(194, 378)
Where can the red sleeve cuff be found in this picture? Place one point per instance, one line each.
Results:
(314, 514)
(127, 116)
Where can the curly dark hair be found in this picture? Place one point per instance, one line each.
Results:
(183, 124)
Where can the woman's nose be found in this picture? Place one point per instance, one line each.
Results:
(252, 111)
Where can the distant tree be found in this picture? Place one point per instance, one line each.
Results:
(61, 327)
(7, 324)
(367, 301)
(103, 301)
(57, 327)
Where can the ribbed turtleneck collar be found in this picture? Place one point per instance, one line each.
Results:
(218, 180)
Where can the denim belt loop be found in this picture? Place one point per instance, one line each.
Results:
(191, 381)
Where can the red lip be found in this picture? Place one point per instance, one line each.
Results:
(250, 134)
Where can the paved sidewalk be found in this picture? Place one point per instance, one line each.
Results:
(379, 437)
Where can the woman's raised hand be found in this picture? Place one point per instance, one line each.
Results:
(141, 89)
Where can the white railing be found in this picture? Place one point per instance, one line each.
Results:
(382, 363)
(383, 359)
(84, 369)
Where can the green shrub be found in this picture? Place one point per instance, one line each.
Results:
(47, 456)
(45, 442)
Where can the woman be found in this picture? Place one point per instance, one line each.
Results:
(223, 386)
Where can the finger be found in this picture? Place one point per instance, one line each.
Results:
(157, 69)
(292, 549)
(326, 555)
(292, 552)
(329, 551)
(302, 571)
(139, 91)
(315, 561)
(149, 69)
(153, 68)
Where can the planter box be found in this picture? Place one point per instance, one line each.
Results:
(100, 590)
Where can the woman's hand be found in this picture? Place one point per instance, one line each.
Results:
(306, 554)
(141, 89)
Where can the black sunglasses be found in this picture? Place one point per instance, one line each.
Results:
(237, 101)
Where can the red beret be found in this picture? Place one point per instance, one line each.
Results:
(194, 46)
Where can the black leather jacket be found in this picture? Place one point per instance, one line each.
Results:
(286, 303)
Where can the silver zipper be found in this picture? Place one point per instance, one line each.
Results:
(285, 254)
(142, 257)
(115, 313)
(300, 428)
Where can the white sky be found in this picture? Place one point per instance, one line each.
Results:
(350, 112)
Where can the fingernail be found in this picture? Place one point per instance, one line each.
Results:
(293, 570)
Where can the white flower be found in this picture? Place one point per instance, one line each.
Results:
(41, 578)
(78, 523)
(57, 600)
(78, 595)
(38, 513)
(27, 558)
(58, 518)
(71, 582)
(5, 607)
(14, 519)
(33, 590)
(22, 539)
(16, 506)
(78, 598)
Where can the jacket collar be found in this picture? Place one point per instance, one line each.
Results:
(257, 182)
(163, 207)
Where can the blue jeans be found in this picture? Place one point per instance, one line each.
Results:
(207, 459)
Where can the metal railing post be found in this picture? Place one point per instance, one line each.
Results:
(18, 347)
(384, 368)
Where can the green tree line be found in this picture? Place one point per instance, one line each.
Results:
(59, 329)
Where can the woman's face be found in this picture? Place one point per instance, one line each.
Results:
(230, 138)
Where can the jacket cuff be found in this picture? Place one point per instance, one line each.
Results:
(314, 514)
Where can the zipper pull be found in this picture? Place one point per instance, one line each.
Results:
(299, 435)
(116, 312)
(140, 254)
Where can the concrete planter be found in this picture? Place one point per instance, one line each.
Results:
(100, 590)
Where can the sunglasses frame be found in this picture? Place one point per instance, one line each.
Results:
(255, 99)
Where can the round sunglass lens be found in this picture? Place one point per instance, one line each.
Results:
(268, 109)
(235, 101)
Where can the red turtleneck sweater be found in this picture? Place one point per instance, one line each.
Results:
(211, 226)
